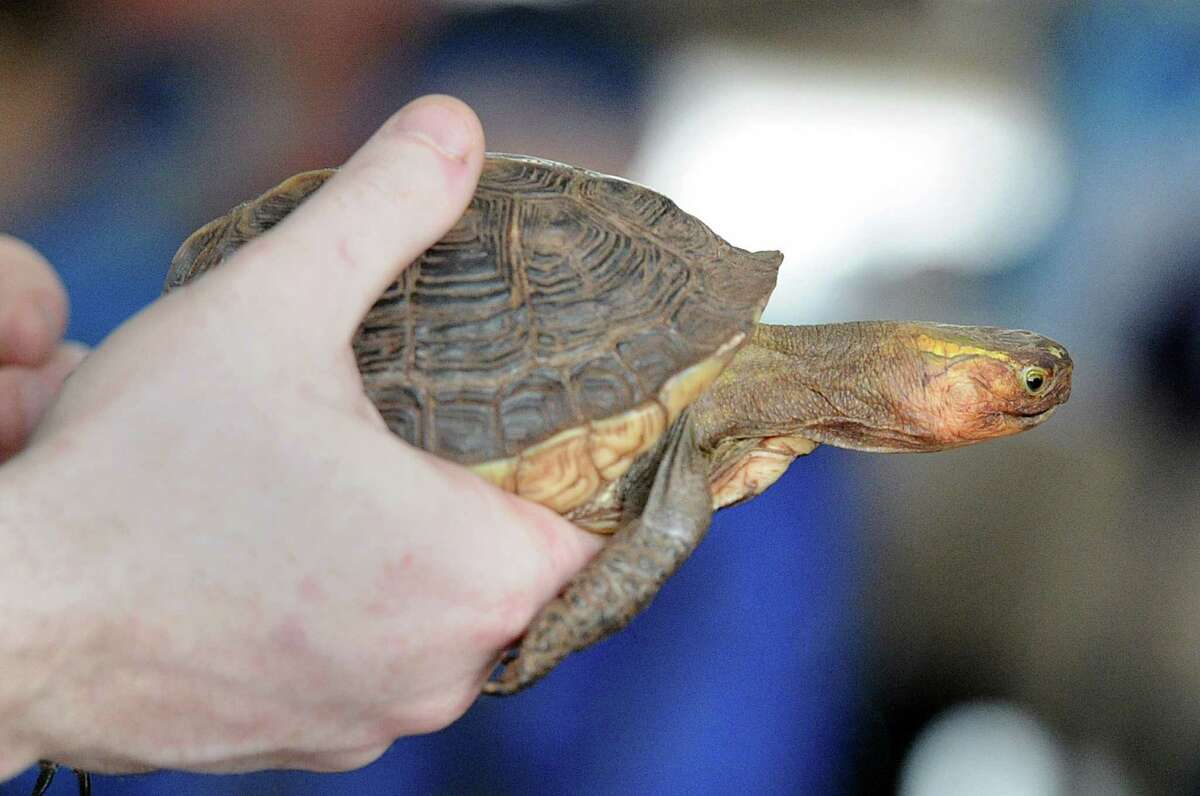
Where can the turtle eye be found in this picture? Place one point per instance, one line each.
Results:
(1034, 379)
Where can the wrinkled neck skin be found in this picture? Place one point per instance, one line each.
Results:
(882, 386)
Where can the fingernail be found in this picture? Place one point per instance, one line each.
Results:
(440, 125)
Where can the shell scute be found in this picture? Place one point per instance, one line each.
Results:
(464, 421)
(617, 441)
(603, 386)
(531, 404)
(652, 356)
(558, 473)
(524, 175)
(549, 228)
(402, 407)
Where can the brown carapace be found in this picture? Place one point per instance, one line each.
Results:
(580, 341)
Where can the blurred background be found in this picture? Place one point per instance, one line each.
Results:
(1017, 618)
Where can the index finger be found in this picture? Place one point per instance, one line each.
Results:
(33, 305)
(390, 202)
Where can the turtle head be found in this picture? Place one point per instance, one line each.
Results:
(982, 382)
(886, 386)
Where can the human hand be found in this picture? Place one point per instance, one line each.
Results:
(228, 562)
(33, 359)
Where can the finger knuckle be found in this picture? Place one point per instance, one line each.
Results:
(436, 712)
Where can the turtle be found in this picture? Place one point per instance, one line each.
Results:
(579, 340)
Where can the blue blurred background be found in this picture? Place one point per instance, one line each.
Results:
(1018, 618)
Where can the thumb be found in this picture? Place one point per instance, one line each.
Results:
(391, 201)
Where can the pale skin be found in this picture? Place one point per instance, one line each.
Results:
(33, 358)
(226, 562)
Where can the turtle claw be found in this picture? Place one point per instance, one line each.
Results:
(503, 686)
(496, 685)
(46, 773)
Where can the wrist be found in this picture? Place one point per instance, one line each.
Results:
(30, 620)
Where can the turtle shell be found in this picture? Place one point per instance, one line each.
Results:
(552, 335)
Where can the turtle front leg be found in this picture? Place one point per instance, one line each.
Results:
(626, 574)
(46, 772)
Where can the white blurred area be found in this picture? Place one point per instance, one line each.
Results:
(850, 168)
(998, 749)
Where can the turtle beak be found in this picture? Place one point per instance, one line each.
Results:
(1031, 419)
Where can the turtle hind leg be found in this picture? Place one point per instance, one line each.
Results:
(46, 772)
(626, 574)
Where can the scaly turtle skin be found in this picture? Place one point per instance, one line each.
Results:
(582, 342)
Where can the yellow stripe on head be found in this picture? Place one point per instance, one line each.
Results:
(948, 349)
